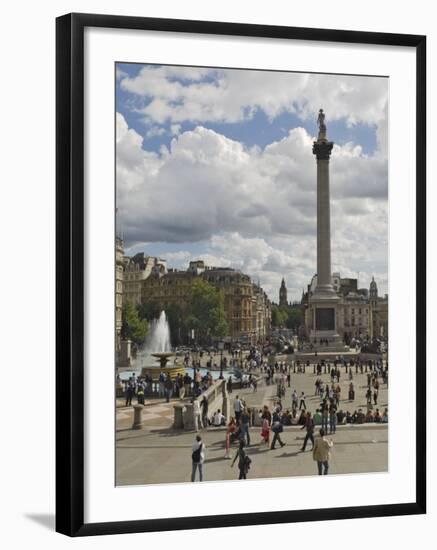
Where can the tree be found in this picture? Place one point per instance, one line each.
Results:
(279, 316)
(294, 317)
(175, 317)
(286, 316)
(133, 327)
(149, 310)
(206, 312)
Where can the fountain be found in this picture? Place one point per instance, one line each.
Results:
(158, 345)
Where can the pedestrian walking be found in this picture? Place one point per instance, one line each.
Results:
(180, 386)
(321, 453)
(265, 432)
(332, 418)
(238, 407)
(161, 385)
(277, 429)
(294, 400)
(243, 461)
(129, 394)
(230, 431)
(325, 415)
(197, 421)
(204, 411)
(197, 458)
(245, 423)
(309, 426)
(168, 385)
(369, 396)
(302, 404)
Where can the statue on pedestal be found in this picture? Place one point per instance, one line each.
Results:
(322, 125)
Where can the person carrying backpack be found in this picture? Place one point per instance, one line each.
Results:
(277, 429)
(243, 461)
(198, 458)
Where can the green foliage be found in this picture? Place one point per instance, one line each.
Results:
(279, 316)
(294, 318)
(133, 327)
(206, 313)
(175, 317)
(149, 310)
(286, 316)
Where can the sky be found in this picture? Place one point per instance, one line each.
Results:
(217, 164)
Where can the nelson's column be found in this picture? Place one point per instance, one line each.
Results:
(324, 301)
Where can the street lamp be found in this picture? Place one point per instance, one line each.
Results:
(195, 357)
(221, 345)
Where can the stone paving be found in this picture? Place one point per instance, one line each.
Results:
(159, 454)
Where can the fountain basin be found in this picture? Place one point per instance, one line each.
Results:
(172, 370)
(163, 357)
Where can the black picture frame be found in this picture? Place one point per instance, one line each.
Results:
(70, 272)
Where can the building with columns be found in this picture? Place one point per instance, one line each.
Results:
(360, 312)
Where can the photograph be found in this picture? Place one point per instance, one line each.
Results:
(251, 278)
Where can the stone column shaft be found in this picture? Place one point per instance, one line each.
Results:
(323, 225)
(322, 149)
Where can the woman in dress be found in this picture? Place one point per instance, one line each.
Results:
(232, 426)
(265, 433)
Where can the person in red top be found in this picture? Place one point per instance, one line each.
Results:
(232, 427)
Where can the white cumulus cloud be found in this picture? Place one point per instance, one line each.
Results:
(254, 209)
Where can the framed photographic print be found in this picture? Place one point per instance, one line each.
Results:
(240, 274)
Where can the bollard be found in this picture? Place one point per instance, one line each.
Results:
(138, 417)
(188, 417)
(178, 421)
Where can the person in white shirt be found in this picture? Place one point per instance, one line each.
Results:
(197, 458)
(238, 406)
(218, 419)
(197, 421)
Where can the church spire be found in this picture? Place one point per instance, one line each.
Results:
(283, 294)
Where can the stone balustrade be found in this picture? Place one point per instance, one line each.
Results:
(217, 397)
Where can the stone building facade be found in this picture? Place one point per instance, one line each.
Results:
(360, 312)
(261, 313)
(119, 267)
(379, 312)
(246, 305)
(137, 269)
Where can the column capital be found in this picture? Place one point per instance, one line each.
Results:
(322, 149)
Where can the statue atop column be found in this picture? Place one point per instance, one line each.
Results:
(322, 125)
(322, 147)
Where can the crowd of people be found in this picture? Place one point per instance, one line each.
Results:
(181, 386)
(334, 384)
(272, 426)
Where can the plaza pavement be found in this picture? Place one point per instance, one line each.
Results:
(160, 454)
